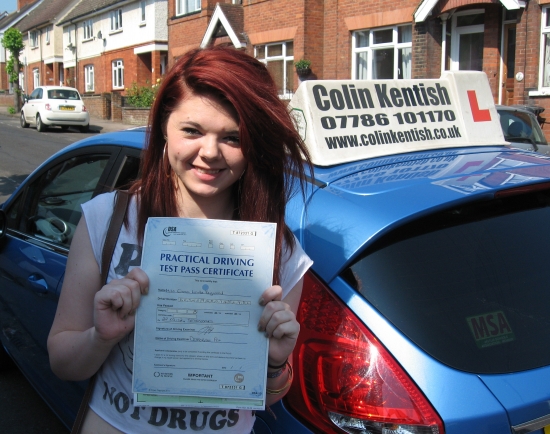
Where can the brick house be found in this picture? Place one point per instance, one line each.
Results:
(42, 57)
(110, 44)
(368, 39)
(24, 7)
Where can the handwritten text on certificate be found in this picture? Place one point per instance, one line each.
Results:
(196, 337)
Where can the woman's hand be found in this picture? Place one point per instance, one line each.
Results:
(278, 321)
(116, 303)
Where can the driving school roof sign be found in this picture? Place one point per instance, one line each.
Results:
(350, 120)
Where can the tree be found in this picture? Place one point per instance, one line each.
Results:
(13, 42)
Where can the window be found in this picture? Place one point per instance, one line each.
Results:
(36, 77)
(89, 78)
(384, 53)
(279, 59)
(88, 30)
(33, 38)
(545, 49)
(118, 74)
(53, 208)
(116, 20)
(187, 6)
(142, 10)
(48, 35)
(467, 41)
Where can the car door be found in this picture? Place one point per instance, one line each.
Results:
(30, 107)
(41, 221)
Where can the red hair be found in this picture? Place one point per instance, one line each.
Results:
(269, 142)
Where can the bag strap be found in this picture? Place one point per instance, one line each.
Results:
(119, 212)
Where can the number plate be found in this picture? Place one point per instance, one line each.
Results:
(67, 107)
(547, 429)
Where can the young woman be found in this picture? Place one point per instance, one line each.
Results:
(220, 146)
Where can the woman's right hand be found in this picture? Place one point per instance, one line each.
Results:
(116, 303)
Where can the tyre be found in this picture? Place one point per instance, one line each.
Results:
(24, 123)
(40, 127)
(85, 128)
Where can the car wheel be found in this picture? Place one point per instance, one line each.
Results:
(40, 127)
(85, 128)
(24, 123)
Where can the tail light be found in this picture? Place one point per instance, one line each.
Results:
(345, 380)
(84, 109)
(48, 107)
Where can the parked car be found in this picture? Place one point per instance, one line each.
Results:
(50, 106)
(425, 310)
(521, 128)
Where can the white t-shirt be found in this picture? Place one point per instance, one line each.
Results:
(112, 398)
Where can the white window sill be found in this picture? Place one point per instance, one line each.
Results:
(142, 24)
(34, 48)
(88, 39)
(114, 32)
(539, 92)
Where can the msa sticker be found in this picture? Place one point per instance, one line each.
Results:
(490, 329)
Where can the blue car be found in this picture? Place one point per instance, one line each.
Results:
(426, 309)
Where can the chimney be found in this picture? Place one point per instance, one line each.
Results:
(22, 3)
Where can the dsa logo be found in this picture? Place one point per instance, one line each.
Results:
(169, 230)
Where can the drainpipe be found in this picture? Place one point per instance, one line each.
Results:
(444, 18)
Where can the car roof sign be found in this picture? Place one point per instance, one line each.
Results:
(351, 120)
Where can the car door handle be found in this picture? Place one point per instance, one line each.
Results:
(38, 283)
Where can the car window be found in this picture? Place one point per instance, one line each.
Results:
(128, 172)
(39, 95)
(468, 285)
(521, 126)
(52, 205)
(34, 94)
(63, 94)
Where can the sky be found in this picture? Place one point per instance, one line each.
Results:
(8, 5)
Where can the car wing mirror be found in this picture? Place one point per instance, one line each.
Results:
(2, 223)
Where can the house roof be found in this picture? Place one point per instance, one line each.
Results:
(87, 7)
(46, 12)
(227, 20)
(14, 17)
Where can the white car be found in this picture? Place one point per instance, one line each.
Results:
(49, 106)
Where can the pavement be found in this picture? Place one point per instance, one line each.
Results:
(97, 125)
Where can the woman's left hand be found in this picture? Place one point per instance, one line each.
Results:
(278, 322)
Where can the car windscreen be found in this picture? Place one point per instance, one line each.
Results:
(63, 94)
(470, 285)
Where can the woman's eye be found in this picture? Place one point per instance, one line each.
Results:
(191, 131)
(232, 139)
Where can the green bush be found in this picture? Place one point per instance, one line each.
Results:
(141, 96)
(11, 110)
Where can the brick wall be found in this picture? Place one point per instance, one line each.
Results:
(98, 106)
(135, 116)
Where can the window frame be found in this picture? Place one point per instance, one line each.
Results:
(371, 48)
(116, 20)
(47, 34)
(181, 7)
(142, 11)
(287, 92)
(87, 30)
(33, 39)
(117, 65)
(89, 74)
(544, 30)
(36, 77)
(456, 32)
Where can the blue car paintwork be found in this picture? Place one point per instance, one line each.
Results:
(345, 209)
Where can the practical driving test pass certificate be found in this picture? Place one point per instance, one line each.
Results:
(196, 338)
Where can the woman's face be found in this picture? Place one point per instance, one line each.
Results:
(204, 151)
